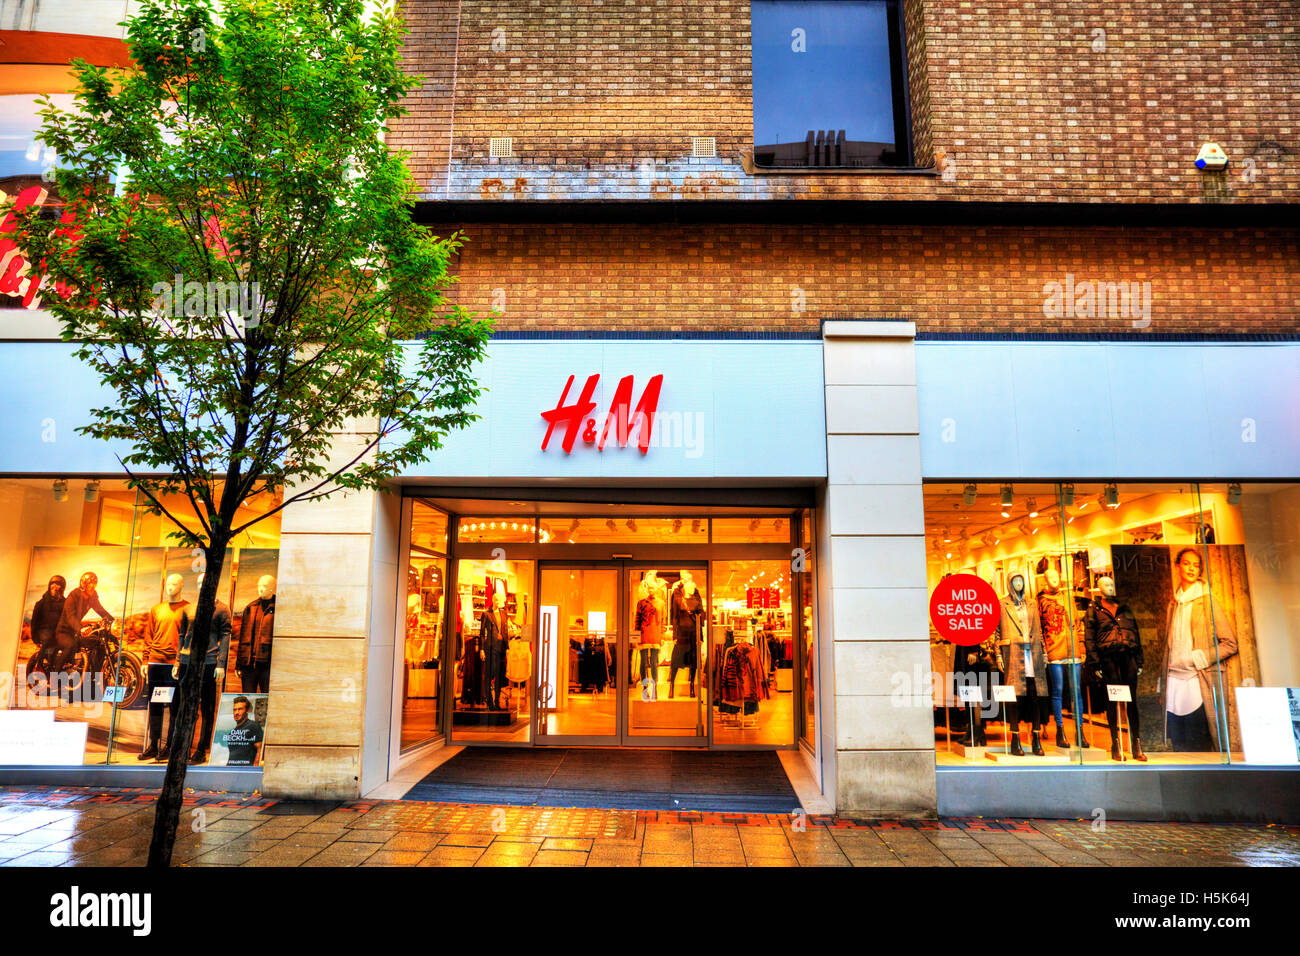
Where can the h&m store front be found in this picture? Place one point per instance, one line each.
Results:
(570, 578)
(757, 577)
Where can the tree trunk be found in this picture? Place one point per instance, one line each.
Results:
(167, 814)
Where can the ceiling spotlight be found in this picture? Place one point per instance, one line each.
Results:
(92, 492)
(988, 540)
(613, 528)
(575, 526)
(61, 490)
(964, 535)
(1007, 498)
(695, 526)
(1067, 494)
(1032, 505)
(948, 556)
(1026, 527)
(631, 524)
(677, 525)
(1234, 493)
(968, 495)
(947, 535)
(753, 525)
(1110, 496)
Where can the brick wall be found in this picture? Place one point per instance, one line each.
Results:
(1028, 99)
(749, 277)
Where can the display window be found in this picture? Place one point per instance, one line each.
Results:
(1153, 610)
(805, 627)
(752, 640)
(491, 633)
(104, 601)
(426, 608)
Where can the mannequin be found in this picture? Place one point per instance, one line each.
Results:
(1023, 661)
(649, 627)
(1115, 657)
(1055, 622)
(256, 631)
(167, 625)
(214, 671)
(494, 639)
(686, 614)
(1199, 638)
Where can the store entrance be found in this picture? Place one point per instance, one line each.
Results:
(622, 655)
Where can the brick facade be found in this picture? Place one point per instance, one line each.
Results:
(747, 277)
(1022, 100)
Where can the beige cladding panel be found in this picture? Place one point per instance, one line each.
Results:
(311, 773)
(317, 691)
(886, 783)
(324, 585)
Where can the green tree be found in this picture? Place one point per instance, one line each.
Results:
(244, 158)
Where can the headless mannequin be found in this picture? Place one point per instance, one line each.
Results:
(686, 615)
(494, 639)
(167, 627)
(1116, 666)
(214, 671)
(1056, 642)
(1016, 606)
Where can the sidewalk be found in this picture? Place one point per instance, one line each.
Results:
(47, 826)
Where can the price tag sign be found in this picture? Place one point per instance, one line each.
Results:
(162, 695)
(1004, 694)
(970, 694)
(964, 609)
(114, 695)
(1118, 692)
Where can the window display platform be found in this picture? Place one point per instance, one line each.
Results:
(739, 781)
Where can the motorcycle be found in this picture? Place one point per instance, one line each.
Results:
(99, 655)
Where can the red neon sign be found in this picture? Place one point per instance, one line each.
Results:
(620, 414)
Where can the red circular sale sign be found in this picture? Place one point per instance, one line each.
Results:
(964, 609)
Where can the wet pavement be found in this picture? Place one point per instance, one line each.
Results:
(59, 826)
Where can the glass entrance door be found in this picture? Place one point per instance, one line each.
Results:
(579, 655)
(668, 686)
(622, 655)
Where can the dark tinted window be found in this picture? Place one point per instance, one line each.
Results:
(827, 83)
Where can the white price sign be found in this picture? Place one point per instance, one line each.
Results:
(1118, 692)
(970, 694)
(1004, 694)
(162, 695)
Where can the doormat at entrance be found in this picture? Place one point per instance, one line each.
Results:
(664, 780)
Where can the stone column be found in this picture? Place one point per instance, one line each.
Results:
(874, 520)
(318, 667)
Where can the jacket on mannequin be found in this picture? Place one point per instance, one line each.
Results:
(685, 614)
(1055, 624)
(1020, 630)
(256, 630)
(218, 639)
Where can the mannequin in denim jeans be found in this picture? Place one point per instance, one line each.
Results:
(1062, 668)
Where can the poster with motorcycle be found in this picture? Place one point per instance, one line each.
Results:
(85, 628)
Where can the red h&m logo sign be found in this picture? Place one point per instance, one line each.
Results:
(620, 414)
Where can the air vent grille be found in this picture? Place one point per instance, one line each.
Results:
(704, 147)
(501, 147)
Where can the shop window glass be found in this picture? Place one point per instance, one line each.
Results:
(623, 530)
(1180, 597)
(805, 627)
(752, 530)
(752, 649)
(425, 609)
(1261, 681)
(1026, 675)
(93, 668)
(512, 529)
(492, 646)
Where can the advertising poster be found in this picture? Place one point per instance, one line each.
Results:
(240, 729)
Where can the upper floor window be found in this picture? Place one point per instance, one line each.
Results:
(829, 84)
